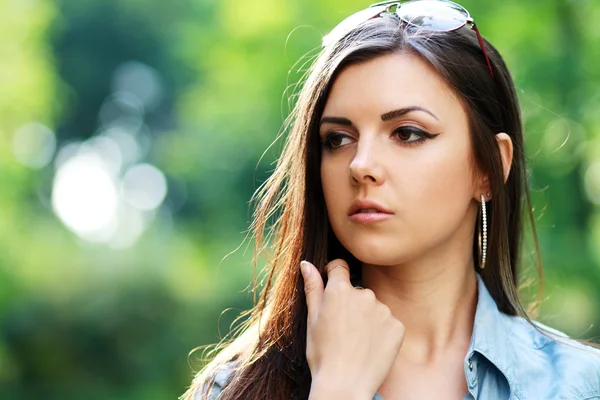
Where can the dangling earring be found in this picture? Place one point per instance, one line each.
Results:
(483, 232)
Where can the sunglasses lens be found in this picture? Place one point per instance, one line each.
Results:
(433, 15)
(352, 22)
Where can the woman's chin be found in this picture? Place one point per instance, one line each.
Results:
(378, 254)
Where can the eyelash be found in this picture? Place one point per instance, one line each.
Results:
(423, 136)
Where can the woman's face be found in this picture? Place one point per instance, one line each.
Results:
(394, 134)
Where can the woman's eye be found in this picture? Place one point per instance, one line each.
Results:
(336, 140)
(411, 135)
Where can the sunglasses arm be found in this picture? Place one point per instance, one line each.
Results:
(482, 44)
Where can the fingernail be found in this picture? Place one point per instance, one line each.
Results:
(304, 268)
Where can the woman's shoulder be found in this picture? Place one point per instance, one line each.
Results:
(570, 366)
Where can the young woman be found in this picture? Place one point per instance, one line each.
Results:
(402, 185)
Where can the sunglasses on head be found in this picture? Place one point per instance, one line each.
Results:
(429, 15)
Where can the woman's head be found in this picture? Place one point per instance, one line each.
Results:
(396, 135)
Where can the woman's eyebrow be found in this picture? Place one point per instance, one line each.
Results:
(336, 120)
(401, 111)
(384, 117)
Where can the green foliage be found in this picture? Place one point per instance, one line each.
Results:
(84, 320)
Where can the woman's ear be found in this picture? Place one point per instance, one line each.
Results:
(505, 146)
(506, 152)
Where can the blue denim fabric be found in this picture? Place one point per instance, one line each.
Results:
(509, 359)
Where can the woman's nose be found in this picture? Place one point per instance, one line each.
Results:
(365, 167)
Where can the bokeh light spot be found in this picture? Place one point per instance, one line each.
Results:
(34, 145)
(85, 198)
(144, 187)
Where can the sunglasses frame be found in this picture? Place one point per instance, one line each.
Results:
(387, 7)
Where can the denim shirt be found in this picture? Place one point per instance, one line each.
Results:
(509, 359)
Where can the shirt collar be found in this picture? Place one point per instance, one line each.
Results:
(491, 336)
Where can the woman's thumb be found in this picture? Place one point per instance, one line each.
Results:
(313, 288)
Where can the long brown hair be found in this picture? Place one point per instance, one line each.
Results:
(270, 348)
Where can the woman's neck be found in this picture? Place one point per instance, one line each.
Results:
(436, 302)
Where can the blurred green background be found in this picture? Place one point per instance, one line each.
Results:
(131, 136)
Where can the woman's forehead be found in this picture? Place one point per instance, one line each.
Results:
(390, 82)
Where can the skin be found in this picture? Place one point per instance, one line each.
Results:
(418, 263)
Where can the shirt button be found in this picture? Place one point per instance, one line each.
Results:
(470, 365)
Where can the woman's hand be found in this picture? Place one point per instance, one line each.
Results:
(352, 338)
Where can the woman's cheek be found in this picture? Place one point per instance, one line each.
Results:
(334, 191)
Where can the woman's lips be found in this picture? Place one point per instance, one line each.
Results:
(369, 217)
(366, 205)
(365, 211)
